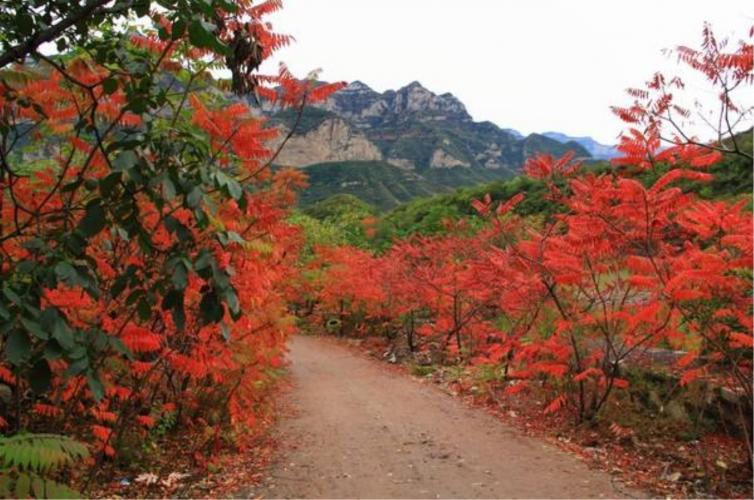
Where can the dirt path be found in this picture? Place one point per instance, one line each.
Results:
(362, 431)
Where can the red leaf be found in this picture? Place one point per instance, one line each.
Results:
(556, 404)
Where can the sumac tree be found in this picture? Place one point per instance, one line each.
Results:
(144, 252)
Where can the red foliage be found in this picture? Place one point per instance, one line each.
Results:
(146, 366)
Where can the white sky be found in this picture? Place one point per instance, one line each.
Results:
(532, 65)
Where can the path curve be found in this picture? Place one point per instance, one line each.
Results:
(361, 431)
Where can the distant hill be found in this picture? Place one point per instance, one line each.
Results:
(389, 147)
(597, 150)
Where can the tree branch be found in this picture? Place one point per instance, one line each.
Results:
(22, 50)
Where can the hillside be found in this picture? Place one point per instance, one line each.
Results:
(415, 141)
(375, 182)
(733, 180)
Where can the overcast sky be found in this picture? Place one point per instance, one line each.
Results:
(532, 65)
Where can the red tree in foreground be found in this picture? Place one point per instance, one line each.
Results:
(144, 252)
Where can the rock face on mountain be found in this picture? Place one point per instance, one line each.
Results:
(412, 130)
(333, 140)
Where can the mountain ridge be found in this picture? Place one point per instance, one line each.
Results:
(598, 150)
(411, 129)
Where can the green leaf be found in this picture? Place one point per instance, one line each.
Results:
(107, 184)
(179, 315)
(180, 275)
(53, 351)
(142, 8)
(66, 273)
(119, 347)
(12, 296)
(225, 331)
(205, 261)
(173, 225)
(76, 367)
(17, 347)
(23, 486)
(64, 335)
(94, 220)
(98, 390)
(118, 286)
(134, 296)
(5, 484)
(210, 307)
(27, 266)
(38, 487)
(144, 308)
(200, 34)
(75, 243)
(24, 23)
(234, 189)
(110, 85)
(235, 237)
(125, 161)
(179, 28)
(168, 188)
(35, 329)
(40, 377)
(231, 299)
(173, 301)
(34, 244)
(194, 197)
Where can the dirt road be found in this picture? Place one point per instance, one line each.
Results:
(361, 431)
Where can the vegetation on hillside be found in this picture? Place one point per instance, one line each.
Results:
(340, 220)
(377, 183)
(732, 181)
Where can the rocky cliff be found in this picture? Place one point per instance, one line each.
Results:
(332, 140)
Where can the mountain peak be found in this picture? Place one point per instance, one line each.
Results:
(414, 85)
(358, 85)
